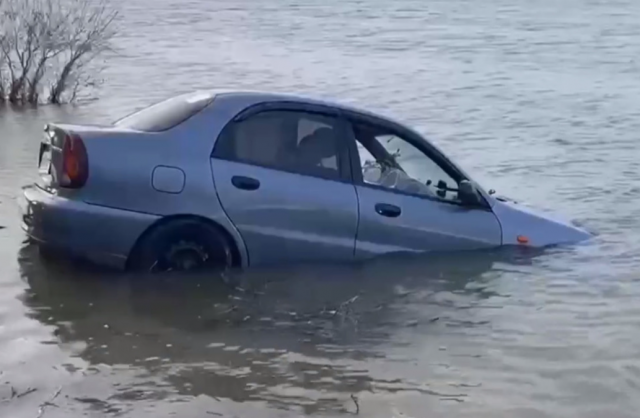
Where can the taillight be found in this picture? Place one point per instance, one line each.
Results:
(75, 162)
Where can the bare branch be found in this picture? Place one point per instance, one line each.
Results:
(48, 46)
(354, 398)
(91, 37)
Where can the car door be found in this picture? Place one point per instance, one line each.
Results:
(407, 195)
(282, 174)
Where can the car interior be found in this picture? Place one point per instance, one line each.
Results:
(383, 169)
(308, 144)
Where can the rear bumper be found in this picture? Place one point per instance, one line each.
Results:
(102, 235)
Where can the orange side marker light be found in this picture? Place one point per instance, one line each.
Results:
(522, 239)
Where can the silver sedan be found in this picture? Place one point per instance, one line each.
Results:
(219, 179)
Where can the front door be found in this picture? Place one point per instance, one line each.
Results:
(408, 200)
(282, 177)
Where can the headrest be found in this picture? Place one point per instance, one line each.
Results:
(320, 144)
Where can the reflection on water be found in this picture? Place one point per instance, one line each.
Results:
(321, 340)
(288, 337)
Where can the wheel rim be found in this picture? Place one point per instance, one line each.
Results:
(187, 255)
(183, 256)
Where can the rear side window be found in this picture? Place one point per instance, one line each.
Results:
(293, 141)
(167, 114)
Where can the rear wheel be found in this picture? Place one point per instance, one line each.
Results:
(183, 245)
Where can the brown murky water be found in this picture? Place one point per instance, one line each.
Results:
(539, 100)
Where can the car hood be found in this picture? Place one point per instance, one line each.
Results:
(537, 228)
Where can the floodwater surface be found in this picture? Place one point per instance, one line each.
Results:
(538, 100)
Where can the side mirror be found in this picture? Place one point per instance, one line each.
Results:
(468, 194)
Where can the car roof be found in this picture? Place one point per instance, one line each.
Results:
(251, 97)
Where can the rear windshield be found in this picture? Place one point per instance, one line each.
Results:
(166, 114)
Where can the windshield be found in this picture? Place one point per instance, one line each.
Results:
(166, 114)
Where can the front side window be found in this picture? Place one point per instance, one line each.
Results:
(294, 141)
(387, 160)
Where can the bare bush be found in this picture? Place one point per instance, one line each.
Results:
(47, 46)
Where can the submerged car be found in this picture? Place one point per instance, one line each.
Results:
(238, 178)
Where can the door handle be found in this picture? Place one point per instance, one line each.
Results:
(245, 183)
(390, 211)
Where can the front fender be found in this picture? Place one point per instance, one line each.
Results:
(523, 225)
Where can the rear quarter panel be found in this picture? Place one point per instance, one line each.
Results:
(121, 167)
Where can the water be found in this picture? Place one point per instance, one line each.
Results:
(538, 100)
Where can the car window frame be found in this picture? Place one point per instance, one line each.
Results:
(344, 160)
(413, 139)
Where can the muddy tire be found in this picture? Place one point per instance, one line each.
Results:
(182, 245)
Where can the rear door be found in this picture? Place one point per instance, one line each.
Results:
(282, 174)
(407, 195)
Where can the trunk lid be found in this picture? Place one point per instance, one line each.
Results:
(51, 154)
